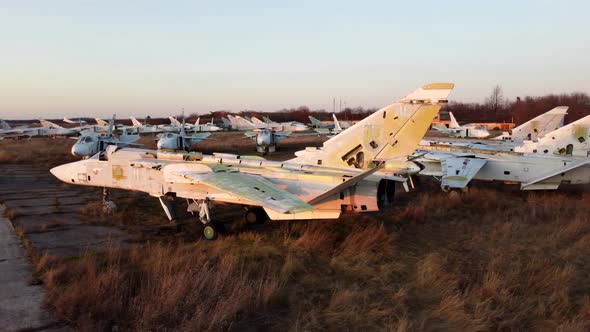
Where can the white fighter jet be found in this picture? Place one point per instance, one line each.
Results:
(279, 126)
(90, 143)
(468, 130)
(536, 128)
(180, 141)
(560, 157)
(267, 140)
(352, 172)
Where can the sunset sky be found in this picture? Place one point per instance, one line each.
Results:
(96, 58)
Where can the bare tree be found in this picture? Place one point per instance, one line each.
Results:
(496, 99)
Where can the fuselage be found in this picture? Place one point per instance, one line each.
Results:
(156, 173)
(513, 167)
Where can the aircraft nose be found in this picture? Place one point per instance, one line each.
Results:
(164, 143)
(79, 150)
(66, 173)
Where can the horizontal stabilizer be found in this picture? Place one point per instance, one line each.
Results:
(433, 93)
(546, 176)
(344, 185)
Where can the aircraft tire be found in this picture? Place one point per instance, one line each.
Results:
(255, 215)
(210, 232)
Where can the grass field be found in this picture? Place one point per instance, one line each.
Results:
(489, 259)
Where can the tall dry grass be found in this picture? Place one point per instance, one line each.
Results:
(484, 260)
(41, 151)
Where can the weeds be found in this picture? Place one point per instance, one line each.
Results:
(430, 265)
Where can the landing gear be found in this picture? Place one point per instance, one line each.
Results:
(255, 215)
(209, 232)
(108, 207)
(201, 207)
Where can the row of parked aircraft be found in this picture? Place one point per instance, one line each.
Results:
(355, 171)
(174, 136)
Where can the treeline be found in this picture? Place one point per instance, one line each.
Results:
(300, 114)
(494, 109)
(521, 109)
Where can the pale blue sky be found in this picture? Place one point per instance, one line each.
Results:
(95, 58)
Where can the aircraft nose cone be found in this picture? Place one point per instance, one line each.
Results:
(79, 150)
(66, 173)
(165, 143)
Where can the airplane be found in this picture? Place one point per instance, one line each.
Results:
(468, 130)
(570, 140)
(561, 157)
(90, 143)
(205, 127)
(533, 129)
(317, 124)
(180, 141)
(239, 123)
(140, 128)
(225, 123)
(80, 121)
(537, 127)
(352, 172)
(282, 126)
(6, 130)
(57, 130)
(335, 130)
(101, 122)
(267, 140)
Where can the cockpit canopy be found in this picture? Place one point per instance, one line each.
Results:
(85, 139)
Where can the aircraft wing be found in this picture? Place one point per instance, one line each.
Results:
(576, 164)
(252, 189)
(457, 171)
(441, 128)
(250, 134)
(280, 135)
(322, 131)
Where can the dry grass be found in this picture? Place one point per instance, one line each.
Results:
(484, 260)
(477, 261)
(41, 151)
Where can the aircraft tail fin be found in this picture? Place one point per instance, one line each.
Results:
(5, 125)
(256, 121)
(240, 121)
(174, 121)
(198, 120)
(49, 124)
(391, 132)
(101, 122)
(572, 139)
(541, 125)
(111, 126)
(337, 127)
(315, 122)
(267, 119)
(454, 123)
(135, 122)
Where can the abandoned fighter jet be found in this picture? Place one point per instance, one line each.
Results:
(267, 140)
(468, 130)
(560, 157)
(90, 143)
(352, 172)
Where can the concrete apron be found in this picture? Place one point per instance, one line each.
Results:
(20, 302)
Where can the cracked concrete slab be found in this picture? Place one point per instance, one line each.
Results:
(20, 302)
(49, 214)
